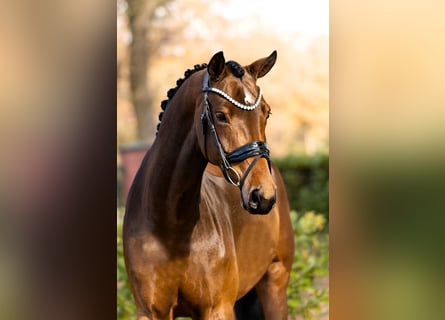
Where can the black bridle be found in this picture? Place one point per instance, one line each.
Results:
(257, 149)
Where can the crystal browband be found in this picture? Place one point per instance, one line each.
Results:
(240, 105)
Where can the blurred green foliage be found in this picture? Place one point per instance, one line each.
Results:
(307, 182)
(308, 292)
(126, 308)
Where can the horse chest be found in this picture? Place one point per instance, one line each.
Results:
(212, 240)
(212, 269)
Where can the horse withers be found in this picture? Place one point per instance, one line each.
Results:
(207, 228)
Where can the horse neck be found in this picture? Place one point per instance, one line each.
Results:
(176, 165)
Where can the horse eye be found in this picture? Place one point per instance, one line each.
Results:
(221, 117)
(268, 115)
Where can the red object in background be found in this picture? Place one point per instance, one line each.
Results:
(131, 155)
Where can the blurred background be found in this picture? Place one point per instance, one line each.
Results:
(157, 40)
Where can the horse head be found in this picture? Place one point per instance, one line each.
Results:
(232, 131)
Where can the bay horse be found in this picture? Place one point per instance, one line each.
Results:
(207, 230)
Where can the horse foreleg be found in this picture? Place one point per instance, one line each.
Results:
(159, 311)
(271, 291)
(143, 317)
(157, 316)
(222, 312)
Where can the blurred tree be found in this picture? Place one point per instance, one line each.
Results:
(159, 39)
(141, 16)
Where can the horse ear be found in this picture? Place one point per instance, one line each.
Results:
(262, 66)
(216, 66)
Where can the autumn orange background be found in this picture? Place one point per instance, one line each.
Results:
(297, 88)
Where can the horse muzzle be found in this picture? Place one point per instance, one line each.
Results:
(258, 203)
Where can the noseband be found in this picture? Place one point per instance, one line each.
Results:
(257, 149)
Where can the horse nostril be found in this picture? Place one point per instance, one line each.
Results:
(258, 204)
(255, 199)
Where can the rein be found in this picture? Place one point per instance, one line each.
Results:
(257, 149)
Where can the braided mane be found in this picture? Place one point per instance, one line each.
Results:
(235, 67)
(172, 91)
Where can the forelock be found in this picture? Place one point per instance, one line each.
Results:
(236, 69)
